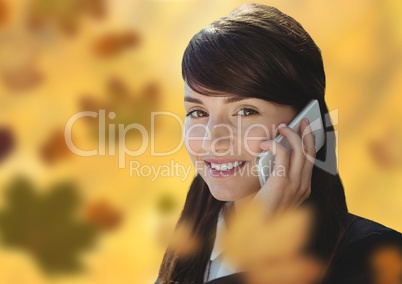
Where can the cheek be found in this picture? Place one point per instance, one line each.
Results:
(252, 137)
(193, 138)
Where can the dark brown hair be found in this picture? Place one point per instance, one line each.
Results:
(257, 51)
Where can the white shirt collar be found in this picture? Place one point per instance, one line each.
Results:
(220, 229)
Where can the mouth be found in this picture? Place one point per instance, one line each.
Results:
(224, 169)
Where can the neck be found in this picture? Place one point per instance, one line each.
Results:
(241, 203)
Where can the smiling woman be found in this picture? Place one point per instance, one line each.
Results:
(246, 76)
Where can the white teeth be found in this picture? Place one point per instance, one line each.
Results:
(224, 167)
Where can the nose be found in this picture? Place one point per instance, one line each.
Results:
(218, 138)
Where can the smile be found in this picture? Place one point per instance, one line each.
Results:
(225, 169)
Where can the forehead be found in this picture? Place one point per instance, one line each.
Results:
(228, 97)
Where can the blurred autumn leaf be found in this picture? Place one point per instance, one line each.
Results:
(26, 77)
(45, 225)
(103, 215)
(55, 148)
(386, 262)
(4, 13)
(166, 204)
(113, 43)
(19, 56)
(123, 106)
(64, 14)
(183, 242)
(386, 150)
(7, 143)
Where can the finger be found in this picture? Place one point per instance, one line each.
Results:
(308, 140)
(284, 173)
(297, 158)
(310, 152)
(272, 191)
(282, 156)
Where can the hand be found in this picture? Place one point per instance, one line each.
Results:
(290, 181)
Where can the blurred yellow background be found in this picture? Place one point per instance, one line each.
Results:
(60, 57)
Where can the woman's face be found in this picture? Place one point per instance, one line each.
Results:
(222, 137)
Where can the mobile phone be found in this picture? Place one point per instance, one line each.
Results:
(265, 159)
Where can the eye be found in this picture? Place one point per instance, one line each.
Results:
(247, 112)
(196, 113)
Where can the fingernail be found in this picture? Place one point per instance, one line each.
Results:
(306, 120)
(282, 125)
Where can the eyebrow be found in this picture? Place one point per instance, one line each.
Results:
(227, 100)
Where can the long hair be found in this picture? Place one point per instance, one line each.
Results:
(257, 51)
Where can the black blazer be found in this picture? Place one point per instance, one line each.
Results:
(350, 263)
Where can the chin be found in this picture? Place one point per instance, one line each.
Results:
(226, 194)
(222, 194)
(233, 192)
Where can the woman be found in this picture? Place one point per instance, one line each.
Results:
(259, 67)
